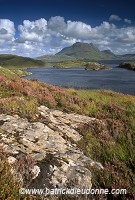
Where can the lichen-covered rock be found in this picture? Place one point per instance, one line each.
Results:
(53, 145)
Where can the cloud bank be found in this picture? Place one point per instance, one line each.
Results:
(39, 37)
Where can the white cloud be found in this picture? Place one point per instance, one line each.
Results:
(57, 24)
(33, 30)
(45, 37)
(77, 29)
(128, 21)
(126, 35)
(114, 17)
(7, 30)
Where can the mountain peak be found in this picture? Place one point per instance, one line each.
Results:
(86, 51)
(80, 50)
(82, 44)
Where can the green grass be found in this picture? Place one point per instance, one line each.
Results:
(20, 72)
(69, 64)
(108, 96)
(9, 74)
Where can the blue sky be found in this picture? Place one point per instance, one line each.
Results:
(34, 28)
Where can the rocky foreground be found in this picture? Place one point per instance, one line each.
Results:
(52, 144)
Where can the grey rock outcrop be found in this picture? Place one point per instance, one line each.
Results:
(52, 143)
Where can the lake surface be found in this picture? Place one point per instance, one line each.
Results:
(117, 79)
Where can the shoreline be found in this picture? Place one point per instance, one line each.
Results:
(77, 87)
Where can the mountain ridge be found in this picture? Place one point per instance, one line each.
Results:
(80, 51)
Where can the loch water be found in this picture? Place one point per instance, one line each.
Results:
(117, 79)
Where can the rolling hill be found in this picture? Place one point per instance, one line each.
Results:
(56, 58)
(14, 61)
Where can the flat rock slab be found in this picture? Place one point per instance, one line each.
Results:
(53, 144)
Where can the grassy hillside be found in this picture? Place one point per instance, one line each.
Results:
(55, 58)
(13, 61)
(12, 74)
(111, 143)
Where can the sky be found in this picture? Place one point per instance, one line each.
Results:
(39, 27)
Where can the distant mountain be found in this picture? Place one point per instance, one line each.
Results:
(108, 52)
(84, 51)
(128, 56)
(121, 57)
(8, 60)
(81, 50)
